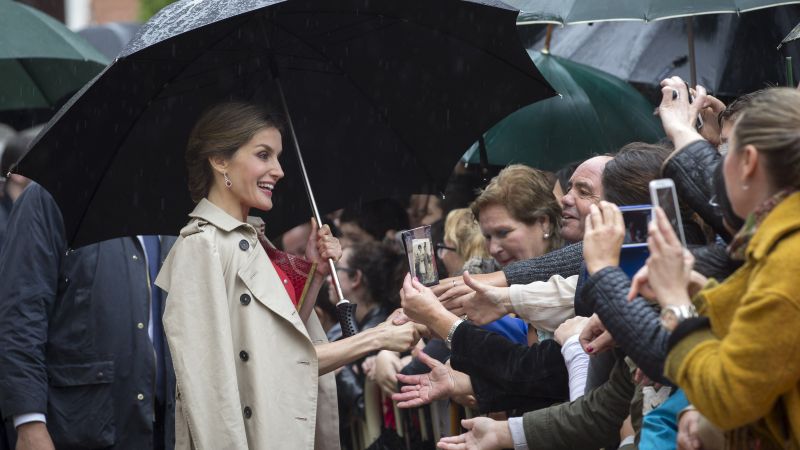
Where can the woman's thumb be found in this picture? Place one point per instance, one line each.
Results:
(473, 283)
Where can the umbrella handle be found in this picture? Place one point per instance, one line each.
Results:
(346, 313)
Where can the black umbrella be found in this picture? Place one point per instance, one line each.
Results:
(384, 96)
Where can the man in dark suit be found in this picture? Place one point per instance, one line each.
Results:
(82, 357)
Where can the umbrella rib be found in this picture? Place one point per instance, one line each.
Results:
(36, 81)
(127, 133)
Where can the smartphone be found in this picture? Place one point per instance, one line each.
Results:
(636, 218)
(699, 123)
(662, 193)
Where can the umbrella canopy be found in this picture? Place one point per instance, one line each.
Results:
(793, 35)
(645, 53)
(596, 113)
(384, 96)
(110, 38)
(582, 11)
(41, 61)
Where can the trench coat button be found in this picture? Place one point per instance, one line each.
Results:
(244, 299)
(99, 374)
(243, 355)
(135, 258)
(140, 325)
(244, 245)
(248, 413)
(140, 397)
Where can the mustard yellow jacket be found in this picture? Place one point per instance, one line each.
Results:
(744, 373)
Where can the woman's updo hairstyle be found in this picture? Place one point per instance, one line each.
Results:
(771, 124)
(221, 131)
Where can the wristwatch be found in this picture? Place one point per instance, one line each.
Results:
(448, 341)
(673, 315)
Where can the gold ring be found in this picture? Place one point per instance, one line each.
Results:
(464, 317)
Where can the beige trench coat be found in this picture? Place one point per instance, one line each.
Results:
(246, 366)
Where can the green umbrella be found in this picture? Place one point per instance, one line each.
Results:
(594, 113)
(41, 61)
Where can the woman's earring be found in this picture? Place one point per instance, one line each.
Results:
(745, 187)
(228, 183)
(546, 235)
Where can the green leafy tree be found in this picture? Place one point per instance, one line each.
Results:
(147, 8)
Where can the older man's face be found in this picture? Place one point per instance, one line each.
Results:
(585, 188)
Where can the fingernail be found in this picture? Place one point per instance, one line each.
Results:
(589, 349)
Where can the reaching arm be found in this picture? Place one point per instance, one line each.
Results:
(385, 336)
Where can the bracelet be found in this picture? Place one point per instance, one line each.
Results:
(449, 340)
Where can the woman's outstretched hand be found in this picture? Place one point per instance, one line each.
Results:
(487, 305)
(437, 384)
(321, 246)
(482, 433)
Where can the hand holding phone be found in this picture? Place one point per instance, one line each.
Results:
(663, 195)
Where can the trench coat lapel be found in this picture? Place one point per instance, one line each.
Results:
(269, 290)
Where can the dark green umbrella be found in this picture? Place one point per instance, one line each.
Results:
(595, 113)
(41, 61)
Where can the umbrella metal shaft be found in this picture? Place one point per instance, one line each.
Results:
(307, 185)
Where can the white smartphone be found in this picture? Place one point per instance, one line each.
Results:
(662, 194)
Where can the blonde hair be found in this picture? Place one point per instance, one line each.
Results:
(771, 124)
(462, 230)
(527, 194)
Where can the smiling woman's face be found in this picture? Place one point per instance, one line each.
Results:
(509, 240)
(254, 169)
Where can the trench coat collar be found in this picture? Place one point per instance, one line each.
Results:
(213, 214)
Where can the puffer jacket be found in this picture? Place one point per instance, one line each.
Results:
(692, 168)
(635, 325)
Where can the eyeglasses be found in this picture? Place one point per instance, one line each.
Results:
(440, 248)
(347, 270)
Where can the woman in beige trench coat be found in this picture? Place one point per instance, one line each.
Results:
(253, 367)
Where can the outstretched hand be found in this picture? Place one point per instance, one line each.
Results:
(488, 303)
(437, 384)
(482, 433)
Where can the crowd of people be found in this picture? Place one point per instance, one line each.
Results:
(543, 323)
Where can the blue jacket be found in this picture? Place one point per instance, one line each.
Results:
(73, 333)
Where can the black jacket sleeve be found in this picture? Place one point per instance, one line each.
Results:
(565, 261)
(692, 170)
(29, 279)
(635, 325)
(590, 422)
(537, 371)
